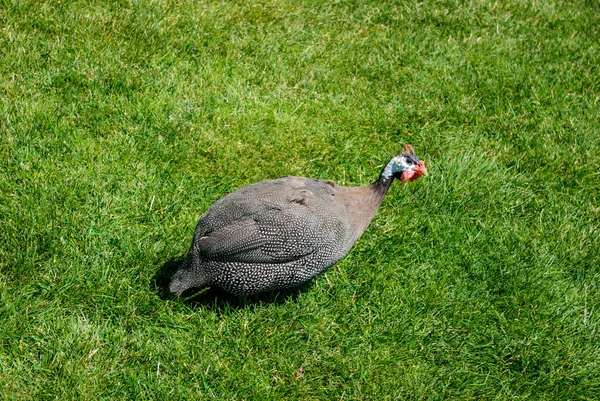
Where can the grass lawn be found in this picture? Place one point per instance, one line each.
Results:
(121, 122)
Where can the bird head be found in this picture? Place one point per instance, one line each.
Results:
(407, 166)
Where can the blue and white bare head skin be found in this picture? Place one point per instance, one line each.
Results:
(406, 166)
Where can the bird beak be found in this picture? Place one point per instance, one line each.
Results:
(421, 168)
(416, 172)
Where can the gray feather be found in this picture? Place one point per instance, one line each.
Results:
(276, 234)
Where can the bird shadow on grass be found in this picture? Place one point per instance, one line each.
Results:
(214, 298)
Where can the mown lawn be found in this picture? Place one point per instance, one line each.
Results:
(122, 121)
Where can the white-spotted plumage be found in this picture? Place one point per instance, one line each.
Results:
(280, 233)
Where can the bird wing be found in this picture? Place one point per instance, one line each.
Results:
(277, 232)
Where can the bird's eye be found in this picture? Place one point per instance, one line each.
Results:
(409, 161)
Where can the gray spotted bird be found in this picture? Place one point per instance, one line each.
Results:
(280, 233)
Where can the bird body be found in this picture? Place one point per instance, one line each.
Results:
(278, 233)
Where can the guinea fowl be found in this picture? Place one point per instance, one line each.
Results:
(280, 233)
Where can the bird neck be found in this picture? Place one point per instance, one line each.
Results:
(385, 179)
(380, 188)
(363, 202)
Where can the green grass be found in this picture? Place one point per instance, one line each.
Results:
(122, 121)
